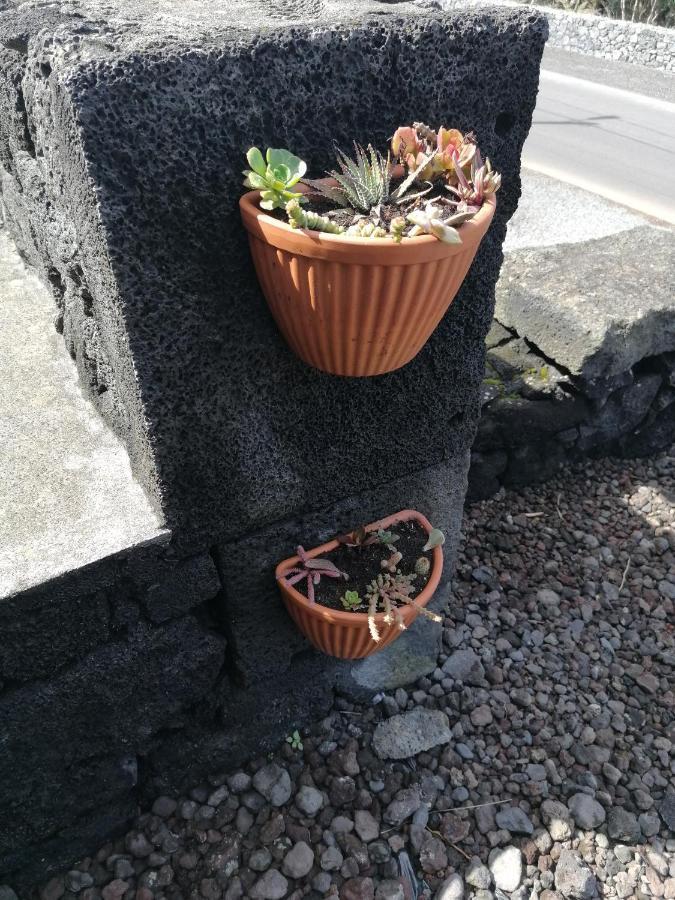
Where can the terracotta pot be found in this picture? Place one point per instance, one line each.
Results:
(357, 306)
(346, 634)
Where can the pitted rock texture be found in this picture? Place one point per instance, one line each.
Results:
(595, 308)
(127, 125)
(411, 733)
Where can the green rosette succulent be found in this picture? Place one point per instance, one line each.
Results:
(274, 176)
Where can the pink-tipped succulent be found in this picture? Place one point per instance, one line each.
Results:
(431, 154)
(472, 193)
(408, 146)
(312, 570)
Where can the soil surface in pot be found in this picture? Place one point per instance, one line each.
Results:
(362, 564)
(380, 215)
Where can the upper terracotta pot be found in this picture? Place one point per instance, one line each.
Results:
(357, 306)
(346, 634)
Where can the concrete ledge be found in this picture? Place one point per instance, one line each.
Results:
(67, 495)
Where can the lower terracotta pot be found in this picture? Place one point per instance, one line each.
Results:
(344, 634)
(357, 306)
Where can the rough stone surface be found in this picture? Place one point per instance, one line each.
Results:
(411, 733)
(136, 231)
(586, 811)
(573, 878)
(566, 634)
(298, 861)
(562, 300)
(598, 380)
(506, 866)
(465, 665)
(274, 783)
(198, 343)
(67, 494)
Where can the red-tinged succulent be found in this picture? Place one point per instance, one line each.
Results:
(312, 570)
(407, 145)
(483, 183)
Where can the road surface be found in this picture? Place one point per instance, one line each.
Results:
(606, 135)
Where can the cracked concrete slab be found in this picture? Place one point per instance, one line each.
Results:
(67, 496)
(596, 307)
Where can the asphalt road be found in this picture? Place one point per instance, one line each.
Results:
(607, 130)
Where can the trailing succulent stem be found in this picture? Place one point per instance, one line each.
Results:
(303, 218)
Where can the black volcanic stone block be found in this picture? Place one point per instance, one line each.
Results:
(122, 147)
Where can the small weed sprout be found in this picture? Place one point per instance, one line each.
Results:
(295, 740)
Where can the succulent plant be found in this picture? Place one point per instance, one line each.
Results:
(362, 182)
(422, 566)
(358, 537)
(295, 740)
(388, 538)
(432, 154)
(367, 229)
(311, 570)
(274, 176)
(436, 539)
(386, 591)
(391, 563)
(397, 228)
(351, 600)
(483, 183)
(303, 218)
(429, 221)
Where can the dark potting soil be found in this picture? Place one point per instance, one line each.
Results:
(362, 564)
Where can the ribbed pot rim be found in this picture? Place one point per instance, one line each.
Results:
(365, 251)
(337, 617)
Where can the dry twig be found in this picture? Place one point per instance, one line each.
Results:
(625, 575)
(449, 843)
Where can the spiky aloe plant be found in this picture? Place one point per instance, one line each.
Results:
(362, 182)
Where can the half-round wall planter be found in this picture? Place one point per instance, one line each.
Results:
(357, 306)
(346, 634)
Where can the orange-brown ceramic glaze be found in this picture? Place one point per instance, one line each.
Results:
(357, 306)
(345, 634)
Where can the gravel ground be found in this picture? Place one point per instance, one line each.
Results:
(545, 767)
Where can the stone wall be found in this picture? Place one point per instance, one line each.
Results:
(633, 42)
(122, 130)
(585, 365)
(537, 418)
(115, 681)
(594, 35)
